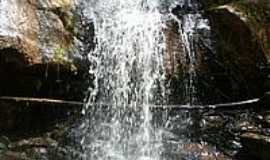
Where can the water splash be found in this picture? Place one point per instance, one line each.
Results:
(191, 23)
(128, 67)
(128, 70)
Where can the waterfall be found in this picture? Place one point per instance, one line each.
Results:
(128, 67)
(129, 76)
(191, 23)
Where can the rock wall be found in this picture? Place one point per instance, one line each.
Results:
(235, 66)
(241, 31)
(40, 30)
(39, 49)
(19, 27)
(255, 14)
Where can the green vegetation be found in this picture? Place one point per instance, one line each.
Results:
(60, 57)
(59, 54)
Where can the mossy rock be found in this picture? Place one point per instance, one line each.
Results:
(255, 15)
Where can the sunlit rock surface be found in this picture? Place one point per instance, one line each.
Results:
(39, 56)
(19, 27)
(39, 51)
(38, 30)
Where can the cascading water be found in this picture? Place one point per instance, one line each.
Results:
(191, 22)
(127, 66)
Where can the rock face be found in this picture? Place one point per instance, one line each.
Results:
(241, 30)
(39, 57)
(37, 29)
(235, 66)
(38, 50)
(252, 16)
(19, 28)
(187, 38)
(255, 146)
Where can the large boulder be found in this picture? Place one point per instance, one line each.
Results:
(241, 37)
(255, 146)
(37, 30)
(41, 56)
(252, 15)
(39, 53)
(232, 62)
(19, 27)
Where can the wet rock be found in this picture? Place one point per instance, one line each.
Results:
(4, 140)
(255, 146)
(33, 147)
(14, 156)
(255, 15)
(202, 152)
(34, 143)
(39, 30)
(266, 117)
(240, 55)
(230, 59)
(184, 58)
(174, 50)
(39, 55)
(24, 119)
(4, 145)
(19, 29)
(264, 102)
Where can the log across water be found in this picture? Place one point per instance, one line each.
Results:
(35, 102)
(24, 115)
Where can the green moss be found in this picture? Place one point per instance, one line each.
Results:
(69, 23)
(60, 57)
(59, 54)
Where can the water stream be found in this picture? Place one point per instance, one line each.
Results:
(129, 76)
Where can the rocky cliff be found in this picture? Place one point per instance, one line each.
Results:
(40, 50)
(241, 31)
(234, 65)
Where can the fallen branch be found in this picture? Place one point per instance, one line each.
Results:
(31, 100)
(229, 106)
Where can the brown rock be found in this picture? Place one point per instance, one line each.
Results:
(203, 152)
(255, 146)
(19, 28)
(37, 29)
(14, 156)
(174, 50)
(239, 53)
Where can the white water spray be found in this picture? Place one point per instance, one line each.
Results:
(190, 23)
(128, 67)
